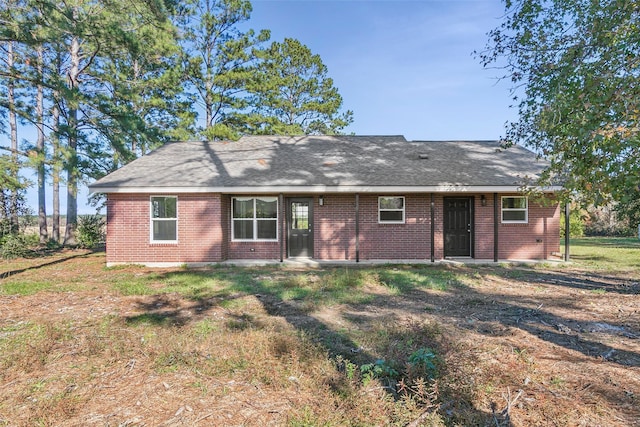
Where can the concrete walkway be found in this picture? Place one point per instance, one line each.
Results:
(313, 263)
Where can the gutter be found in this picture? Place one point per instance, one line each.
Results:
(323, 189)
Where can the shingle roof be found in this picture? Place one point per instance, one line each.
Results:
(324, 163)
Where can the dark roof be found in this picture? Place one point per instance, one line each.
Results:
(325, 163)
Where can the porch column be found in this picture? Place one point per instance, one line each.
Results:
(496, 211)
(357, 227)
(284, 216)
(567, 230)
(433, 229)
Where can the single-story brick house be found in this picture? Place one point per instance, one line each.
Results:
(333, 198)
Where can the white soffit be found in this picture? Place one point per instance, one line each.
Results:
(321, 189)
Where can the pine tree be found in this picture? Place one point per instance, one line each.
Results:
(219, 59)
(291, 93)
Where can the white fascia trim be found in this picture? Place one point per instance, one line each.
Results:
(323, 189)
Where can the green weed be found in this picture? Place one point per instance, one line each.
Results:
(423, 361)
(133, 287)
(25, 287)
(405, 280)
(204, 328)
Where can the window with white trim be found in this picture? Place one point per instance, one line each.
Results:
(254, 218)
(391, 210)
(515, 209)
(164, 219)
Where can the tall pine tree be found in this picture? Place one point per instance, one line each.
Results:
(219, 59)
(291, 93)
(103, 111)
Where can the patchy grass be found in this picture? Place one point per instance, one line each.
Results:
(404, 279)
(606, 253)
(81, 344)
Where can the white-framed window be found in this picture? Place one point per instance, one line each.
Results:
(164, 219)
(254, 218)
(391, 209)
(515, 209)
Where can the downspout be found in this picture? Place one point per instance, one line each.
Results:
(433, 229)
(495, 227)
(284, 210)
(357, 227)
(567, 230)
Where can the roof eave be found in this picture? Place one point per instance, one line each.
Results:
(322, 189)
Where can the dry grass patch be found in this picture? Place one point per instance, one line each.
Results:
(84, 345)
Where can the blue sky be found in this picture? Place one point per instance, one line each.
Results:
(403, 67)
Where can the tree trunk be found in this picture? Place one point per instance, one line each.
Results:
(72, 208)
(42, 202)
(208, 108)
(72, 156)
(57, 160)
(13, 126)
(55, 179)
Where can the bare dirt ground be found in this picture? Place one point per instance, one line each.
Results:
(543, 346)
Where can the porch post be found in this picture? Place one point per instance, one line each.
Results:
(567, 230)
(495, 227)
(283, 209)
(433, 228)
(357, 227)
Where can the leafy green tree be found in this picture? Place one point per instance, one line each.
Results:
(292, 94)
(577, 220)
(99, 104)
(12, 194)
(20, 65)
(14, 169)
(150, 107)
(628, 212)
(219, 59)
(575, 70)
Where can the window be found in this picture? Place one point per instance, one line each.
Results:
(515, 209)
(164, 219)
(254, 218)
(391, 210)
(299, 215)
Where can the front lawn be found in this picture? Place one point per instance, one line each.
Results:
(82, 344)
(606, 253)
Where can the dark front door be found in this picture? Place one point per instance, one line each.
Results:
(300, 227)
(458, 225)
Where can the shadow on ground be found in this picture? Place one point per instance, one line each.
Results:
(463, 306)
(71, 255)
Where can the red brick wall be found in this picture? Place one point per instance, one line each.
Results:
(204, 231)
(335, 235)
(438, 216)
(335, 227)
(483, 225)
(536, 240)
(200, 235)
(410, 241)
(335, 230)
(225, 225)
